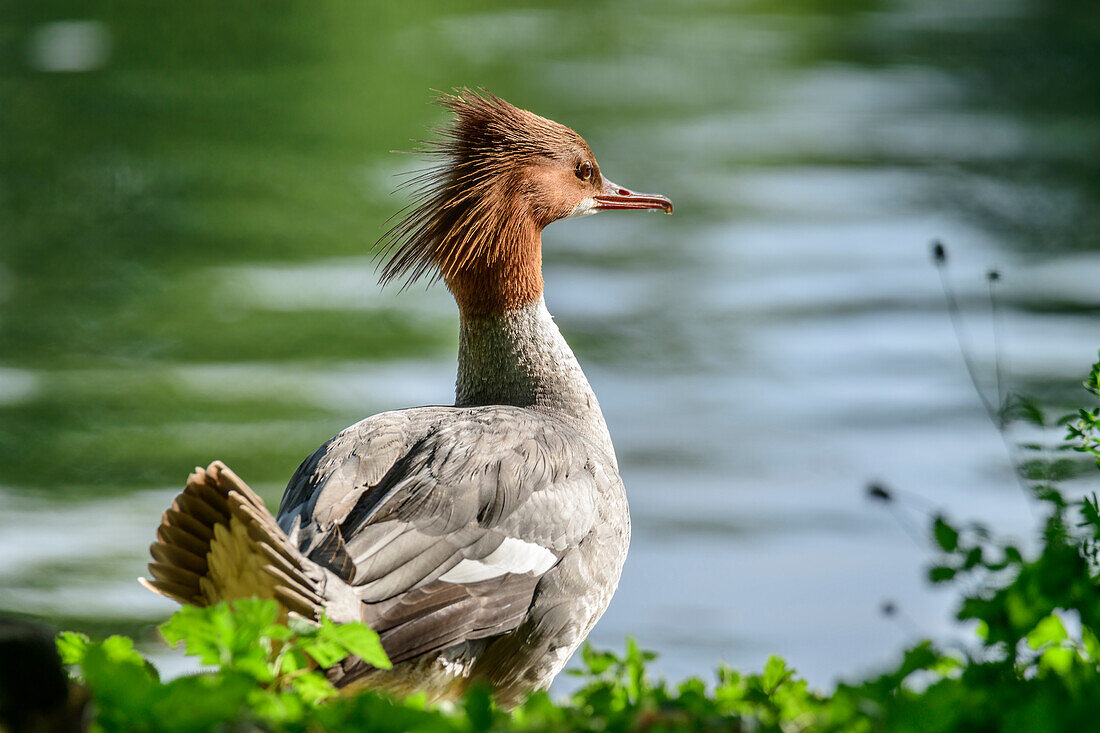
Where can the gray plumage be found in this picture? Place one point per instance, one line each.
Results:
(396, 502)
(480, 542)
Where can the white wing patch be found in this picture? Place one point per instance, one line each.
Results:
(513, 556)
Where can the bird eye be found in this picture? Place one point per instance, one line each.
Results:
(584, 170)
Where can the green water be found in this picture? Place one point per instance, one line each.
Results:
(189, 191)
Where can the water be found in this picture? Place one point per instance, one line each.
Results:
(187, 200)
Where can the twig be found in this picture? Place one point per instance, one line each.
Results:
(993, 277)
(995, 415)
(939, 257)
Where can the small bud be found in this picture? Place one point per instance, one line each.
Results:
(878, 492)
(939, 253)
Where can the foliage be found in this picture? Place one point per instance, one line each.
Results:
(267, 671)
(1034, 664)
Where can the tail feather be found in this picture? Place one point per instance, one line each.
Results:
(174, 574)
(219, 542)
(177, 516)
(195, 508)
(170, 554)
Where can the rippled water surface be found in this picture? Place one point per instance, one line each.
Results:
(187, 200)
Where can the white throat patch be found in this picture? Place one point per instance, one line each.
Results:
(584, 208)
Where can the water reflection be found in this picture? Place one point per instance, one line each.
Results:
(185, 215)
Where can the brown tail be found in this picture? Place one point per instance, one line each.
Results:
(219, 542)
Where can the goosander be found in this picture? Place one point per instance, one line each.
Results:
(481, 541)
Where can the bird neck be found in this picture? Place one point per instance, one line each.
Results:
(493, 263)
(519, 357)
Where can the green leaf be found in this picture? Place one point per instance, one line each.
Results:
(478, 706)
(775, 673)
(291, 660)
(634, 664)
(1024, 409)
(72, 647)
(1059, 660)
(201, 702)
(125, 686)
(597, 662)
(323, 651)
(946, 666)
(358, 639)
(281, 709)
(206, 632)
(120, 650)
(946, 536)
(232, 636)
(941, 573)
(1048, 631)
(1091, 644)
(276, 632)
(313, 687)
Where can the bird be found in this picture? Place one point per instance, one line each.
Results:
(481, 541)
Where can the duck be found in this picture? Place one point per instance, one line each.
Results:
(482, 540)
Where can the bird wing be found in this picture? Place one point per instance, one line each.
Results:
(443, 520)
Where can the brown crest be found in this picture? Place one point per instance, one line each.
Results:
(474, 216)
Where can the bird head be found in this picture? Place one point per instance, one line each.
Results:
(502, 174)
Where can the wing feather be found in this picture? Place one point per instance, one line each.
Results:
(500, 493)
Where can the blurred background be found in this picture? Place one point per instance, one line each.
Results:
(188, 195)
